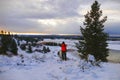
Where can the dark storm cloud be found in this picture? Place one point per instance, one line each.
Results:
(44, 9)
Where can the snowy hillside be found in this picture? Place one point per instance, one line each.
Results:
(39, 66)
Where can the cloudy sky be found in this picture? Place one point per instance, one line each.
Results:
(54, 16)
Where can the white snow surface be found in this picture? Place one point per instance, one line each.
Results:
(114, 45)
(39, 66)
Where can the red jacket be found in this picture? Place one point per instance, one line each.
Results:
(63, 47)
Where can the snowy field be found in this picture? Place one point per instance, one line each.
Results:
(114, 54)
(39, 66)
(114, 45)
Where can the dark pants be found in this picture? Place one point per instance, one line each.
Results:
(64, 56)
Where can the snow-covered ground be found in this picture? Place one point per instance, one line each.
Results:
(114, 45)
(39, 66)
(114, 52)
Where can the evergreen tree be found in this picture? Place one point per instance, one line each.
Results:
(8, 43)
(44, 49)
(5, 40)
(95, 39)
(29, 49)
(48, 50)
(23, 46)
(13, 46)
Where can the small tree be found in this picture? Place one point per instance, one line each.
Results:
(30, 49)
(5, 40)
(95, 39)
(44, 49)
(23, 46)
(8, 43)
(48, 50)
(13, 47)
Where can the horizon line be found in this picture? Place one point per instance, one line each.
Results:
(26, 33)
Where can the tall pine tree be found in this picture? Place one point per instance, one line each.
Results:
(95, 39)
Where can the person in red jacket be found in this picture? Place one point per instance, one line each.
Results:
(64, 49)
